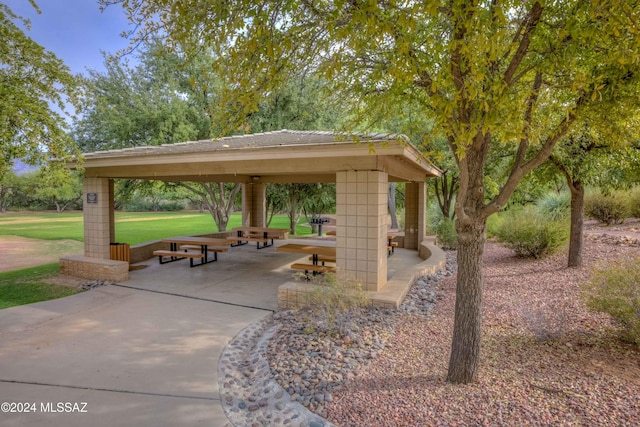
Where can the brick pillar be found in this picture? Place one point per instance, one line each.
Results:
(254, 205)
(361, 226)
(415, 219)
(98, 210)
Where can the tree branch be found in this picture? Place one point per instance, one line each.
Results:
(531, 23)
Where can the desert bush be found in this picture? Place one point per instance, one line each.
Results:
(615, 290)
(446, 234)
(529, 234)
(554, 206)
(609, 209)
(331, 302)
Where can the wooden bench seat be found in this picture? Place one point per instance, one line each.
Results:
(315, 269)
(178, 255)
(209, 248)
(391, 247)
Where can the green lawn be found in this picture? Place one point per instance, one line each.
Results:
(131, 227)
(26, 286)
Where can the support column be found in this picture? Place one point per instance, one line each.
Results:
(361, 226)
(98, 210)
(415, 219)
(254, 205)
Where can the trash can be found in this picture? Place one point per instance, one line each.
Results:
(120, 252)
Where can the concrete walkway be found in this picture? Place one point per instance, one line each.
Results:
(136, 358)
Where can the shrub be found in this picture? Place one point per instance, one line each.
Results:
(608, 209)
(331, 302)
(529, 234)
(554, 206)
(615, 290)
(634, 203)
(446, 234)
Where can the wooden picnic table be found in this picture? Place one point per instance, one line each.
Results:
(316, 253)
(264, 235)
(313, 250)
(206, 244)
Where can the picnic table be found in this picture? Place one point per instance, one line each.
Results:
(202, 246)
(319, 254)
(264, 235)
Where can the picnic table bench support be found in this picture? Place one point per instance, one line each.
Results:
(313, 268)
(243, 240)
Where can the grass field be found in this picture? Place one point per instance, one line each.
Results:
(27, 286)
(131, 227)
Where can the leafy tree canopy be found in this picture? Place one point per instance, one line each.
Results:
(487, 73)
(34, 86)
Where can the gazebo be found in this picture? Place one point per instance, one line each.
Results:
(361, 166)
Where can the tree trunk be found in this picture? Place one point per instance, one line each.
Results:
(576, 234)
(293, 211)
(465, 348)
(392, 205)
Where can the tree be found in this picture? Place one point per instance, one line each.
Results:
(34, 86)
(59, 189)
(8, 187)
(162, 100)
(317, 199)
(487, 73)
(582, 158)
(219, 199)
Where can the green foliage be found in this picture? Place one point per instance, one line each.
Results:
(612, 208)
(554, 206)
(26, 286)
(530, 234)
(446, 234)
(331, 302)
(150, 205)
(34, 85)
(615, 290)
(634, 202)
(156, 102)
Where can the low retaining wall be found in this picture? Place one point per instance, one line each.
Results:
(94, 268)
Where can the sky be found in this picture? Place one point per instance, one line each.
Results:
(75, 30)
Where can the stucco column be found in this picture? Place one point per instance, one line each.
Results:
(361, 226)
(415, 219)
(98, 210)
(254, 205)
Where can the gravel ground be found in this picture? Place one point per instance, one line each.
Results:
(546, 360)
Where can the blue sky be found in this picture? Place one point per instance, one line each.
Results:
(75, 30)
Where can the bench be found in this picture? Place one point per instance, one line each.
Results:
(315, 269)
(391, 247)
(323, 259)
(177, 256)
(209, 248)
